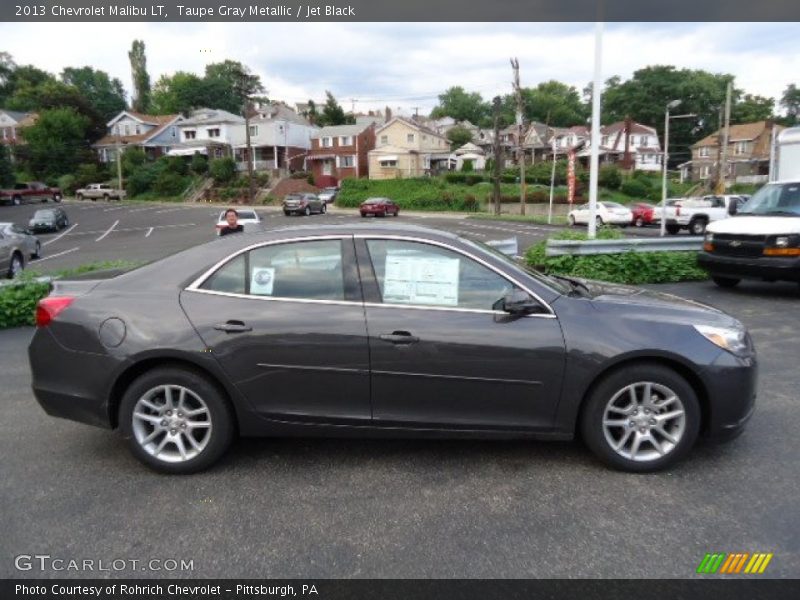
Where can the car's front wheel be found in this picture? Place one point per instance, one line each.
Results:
(323, 209)
(307, 211)
(16, 266)
(642, 418)
(175, 420)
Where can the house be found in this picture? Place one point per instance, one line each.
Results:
(155, 134)
(11, 125)
(536, 142)
(747, 157)
(472, 154)
(405, 148)
(279, 138)
(340, 151)
(210, 131)
(641, 142)
(564, 139)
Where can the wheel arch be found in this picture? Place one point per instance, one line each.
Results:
(681, 368)
(129, 375)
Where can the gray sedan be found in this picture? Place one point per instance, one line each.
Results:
(17, 245)
(384, 332)
(303, 204)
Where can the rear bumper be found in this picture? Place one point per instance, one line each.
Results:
(765, 267)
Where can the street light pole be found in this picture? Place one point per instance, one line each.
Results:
(664, 161)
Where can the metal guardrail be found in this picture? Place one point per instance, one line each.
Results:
(509, 247)
(586, 247)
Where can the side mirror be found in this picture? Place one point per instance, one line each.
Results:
(517, 303)
(732, 208)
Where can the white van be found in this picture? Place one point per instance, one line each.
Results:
(762, 241)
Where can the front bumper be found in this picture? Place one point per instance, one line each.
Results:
(771, 268)
(731, 383)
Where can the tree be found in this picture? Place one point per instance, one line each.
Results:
(57, 143)
(104, 94)
(457, 103)
(20, 80)
(141, 79)
(751, 108)
(180, 92)
(311, 113)
(332, 112)
(458, 136)
(230, 75)
(7, 178)
(550, 102)
(790, 101)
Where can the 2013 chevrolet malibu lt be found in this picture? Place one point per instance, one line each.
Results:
(384, 332)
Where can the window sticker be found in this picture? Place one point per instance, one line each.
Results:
(431, 280)
(262, 280)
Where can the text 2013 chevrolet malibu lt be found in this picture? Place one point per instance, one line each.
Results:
(384, 331)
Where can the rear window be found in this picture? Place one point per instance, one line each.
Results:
(43, 214)
(247, 214)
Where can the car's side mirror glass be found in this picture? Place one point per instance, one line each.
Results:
(518, 303)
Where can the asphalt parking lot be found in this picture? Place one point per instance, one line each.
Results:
(101, 231)
(429, 509)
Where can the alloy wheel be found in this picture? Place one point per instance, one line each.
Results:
(644, 421)
(172, 423)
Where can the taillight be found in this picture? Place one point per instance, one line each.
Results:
(50, 307)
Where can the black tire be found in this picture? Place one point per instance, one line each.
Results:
(307, 211)
(593, 414)
(287, 213)
(726, 282)
(15, 266)
(697, 226)
(673, 229)
(324, 209)
(37, 252)
(598, 221)
(219, 412)
(56, 198)
(80, 196)
(639, 222)
(106, 197)
(16, 200)
(571, 221)
(363, 216)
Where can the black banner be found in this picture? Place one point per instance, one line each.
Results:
(405, 10)
(386, 589)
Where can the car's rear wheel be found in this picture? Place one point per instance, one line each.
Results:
(599, 220)
(571, 220)
(175, 420)
(639, 222)
(56, 197)
(307, 211)
(697, 226)
(16, 266)
(80, 196)
(726, 282)
(16, 200)
(642, 418)
(324, 209)
(287, 213)
(37, 250)
(106, 197)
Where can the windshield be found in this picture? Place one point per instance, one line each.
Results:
(247, 214)
(520, 266)
(43, 214)
(774, 199)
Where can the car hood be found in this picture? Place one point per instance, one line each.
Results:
(756, 225)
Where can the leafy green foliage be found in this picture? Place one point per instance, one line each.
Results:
(332, 113)
(141, 79)
(790, 101)
(7, 178)
(411, 194)
(551, 102)
(610, 177)
(18, 303)
(635, 188)
(167, 176)
(222, 170)
(56, 143)
(458, 136)
(457, 103)
(106, 95)
(199, 164)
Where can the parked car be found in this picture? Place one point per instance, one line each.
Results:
(94, 191)
(643, 213)
(384, 331)
(17, 245)
(21, 238)
(329, 194)
(49, 219)
(303, 204)
(245, 217)
(34, 191)
(695, 214)
(379, 207)
(608, 213)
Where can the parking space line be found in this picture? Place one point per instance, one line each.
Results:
(110, 229)
(58, 237)
(166, 210)
(149, 231)
(115, 208)
(55, 255)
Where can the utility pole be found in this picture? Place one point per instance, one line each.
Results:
(251, 187)
(521, 130)
(497, 156)
(723, 171)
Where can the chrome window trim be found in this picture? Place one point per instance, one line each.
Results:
(463, 253)
(195, 285)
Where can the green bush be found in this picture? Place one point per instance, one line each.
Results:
(635, 188)
(466, 166)
(455, 177)
(18, 303)
(199, 164)
(223, 170)
(610, 177)
(132, 160)
(168, 183)
(67, 184)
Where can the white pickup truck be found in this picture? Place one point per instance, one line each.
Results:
(695, 214)
(93, 191)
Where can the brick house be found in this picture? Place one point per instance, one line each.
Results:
(339, 152)
(747, 159)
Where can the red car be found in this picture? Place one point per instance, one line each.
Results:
(642, 213)
(379, 207)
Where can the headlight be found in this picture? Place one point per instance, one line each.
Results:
(732, 339)
(709, 238)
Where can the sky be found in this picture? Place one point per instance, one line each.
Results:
(406, 65)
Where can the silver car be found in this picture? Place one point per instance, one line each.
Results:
(17, 245)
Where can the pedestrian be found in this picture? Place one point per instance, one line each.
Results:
(233, 225)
